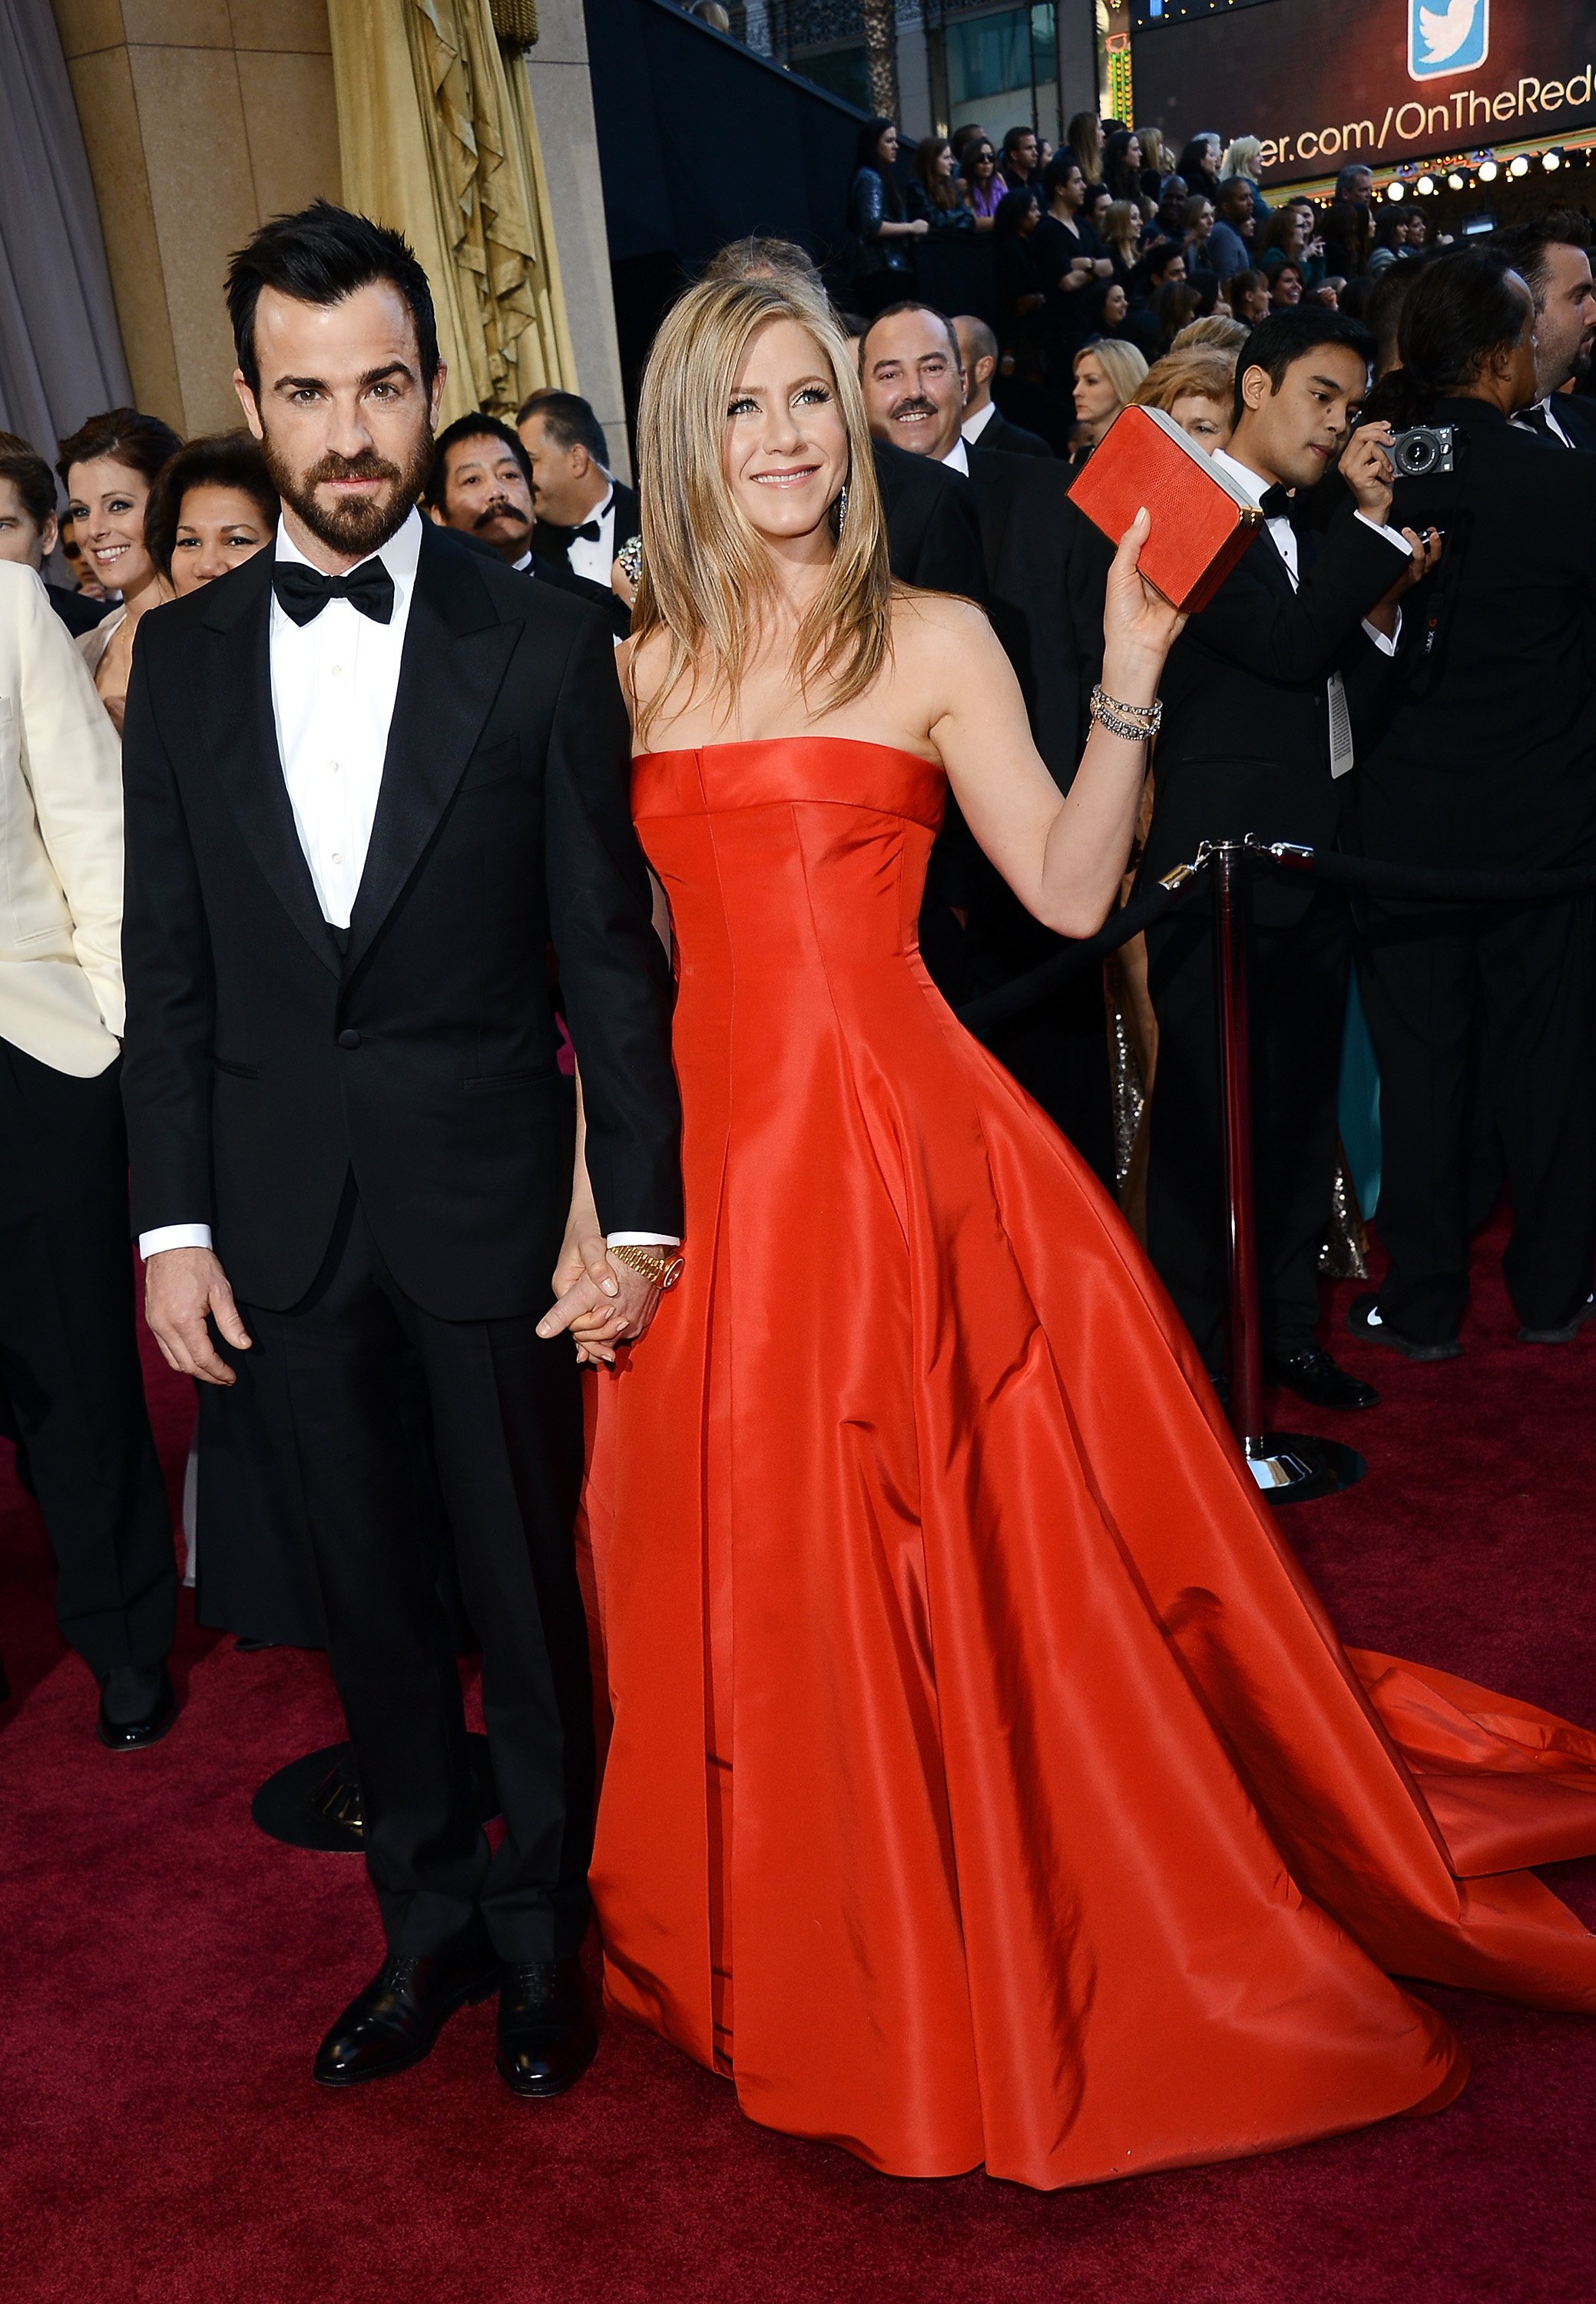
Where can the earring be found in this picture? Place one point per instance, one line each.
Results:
(841, 506)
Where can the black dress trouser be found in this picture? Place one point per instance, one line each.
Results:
(69, 1360)
(1297, 977)
(505, 1411)
(1495, 1002)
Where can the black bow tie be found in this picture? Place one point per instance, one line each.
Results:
(1536, 420)
(1274, 504)
(589, 533)
(303, 592)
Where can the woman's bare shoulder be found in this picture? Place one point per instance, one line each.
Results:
(938, 627)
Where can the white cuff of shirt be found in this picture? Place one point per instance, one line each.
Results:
(1385, 646)
(641, 1240)
(166, 1236)
(1392, 535)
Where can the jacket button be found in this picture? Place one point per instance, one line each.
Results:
(349, 1037)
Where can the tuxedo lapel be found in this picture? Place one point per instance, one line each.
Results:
(456, 652)
(241, 732)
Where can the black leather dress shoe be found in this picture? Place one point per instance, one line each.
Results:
(1564, 1335)
(1363, 1319)
(396, 2021)
(1314, 1376)
(547, 2036)
(138, 1705)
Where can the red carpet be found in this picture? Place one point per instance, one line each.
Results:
(168, 1972)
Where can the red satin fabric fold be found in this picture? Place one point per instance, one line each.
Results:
(986, 1784)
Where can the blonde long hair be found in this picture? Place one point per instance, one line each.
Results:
(708, 578)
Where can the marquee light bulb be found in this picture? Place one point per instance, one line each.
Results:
(1488, 172)
(1397, 190)
(1551, 160)
(1519, 167)
(1455, 181)
(1424, 187)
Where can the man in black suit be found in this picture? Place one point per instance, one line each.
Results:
(584, 514)
(984, 424)
(480, 488)
(370, 777)
(1552, 255)
(29, 528)
(1259, 696)
(1045, 569)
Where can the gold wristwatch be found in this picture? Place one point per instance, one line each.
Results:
(663, 1271)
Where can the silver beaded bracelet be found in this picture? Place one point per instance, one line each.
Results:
(1135, 722)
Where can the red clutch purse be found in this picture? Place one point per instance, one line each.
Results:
(1202, 522)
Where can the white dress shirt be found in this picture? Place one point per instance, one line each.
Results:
(958, 459)
(334, 682)
(974, 426)
(594, 559)
(1283, 537)
(1548, 407)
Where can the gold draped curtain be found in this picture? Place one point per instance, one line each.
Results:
(437, 139)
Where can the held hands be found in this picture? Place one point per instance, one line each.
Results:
(1140, 626)
(1366, 468)
(180, 1286)
(597, 1303)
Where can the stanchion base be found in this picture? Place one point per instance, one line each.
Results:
(1294, 1468)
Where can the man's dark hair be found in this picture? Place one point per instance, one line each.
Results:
(1015, 137)
(227, 459)
(1382, 310)
(30, 475)
(1278, 343)
(142, 443)
(1525, 245)
(1161, 255)
(469, 427)
(1462, 310)
(568, 419)
(1058, 171)
(321, 255)
(912, 304)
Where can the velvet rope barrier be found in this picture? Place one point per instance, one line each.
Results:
(1011, 999)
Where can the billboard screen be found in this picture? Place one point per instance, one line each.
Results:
(1323, 82)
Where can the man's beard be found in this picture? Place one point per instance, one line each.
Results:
(357, 526)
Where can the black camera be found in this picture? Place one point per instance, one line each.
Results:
(1420, 450)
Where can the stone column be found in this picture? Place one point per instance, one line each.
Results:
(556, 71)
(201, 119)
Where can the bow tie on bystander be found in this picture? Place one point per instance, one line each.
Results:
(303, 592)
(589, 533)
(1274, 504)
(1536, 420)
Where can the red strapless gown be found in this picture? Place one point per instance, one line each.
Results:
(986, 1784)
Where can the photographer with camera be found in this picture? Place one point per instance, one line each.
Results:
(1484, 760)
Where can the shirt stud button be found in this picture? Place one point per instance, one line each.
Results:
(336, 858)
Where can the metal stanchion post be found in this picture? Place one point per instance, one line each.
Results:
(1290, 1467)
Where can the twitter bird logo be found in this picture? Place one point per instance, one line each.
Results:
(1447, 39)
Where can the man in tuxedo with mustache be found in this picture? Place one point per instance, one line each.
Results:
(480, 488)
(1045, 568)
(370, 777)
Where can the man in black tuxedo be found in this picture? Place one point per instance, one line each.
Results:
(1552, 256)
(370, 777)
(984, 424)
(1046, 567)
(1260, 695)
(480, 488)
(29, 528)
(584, 514)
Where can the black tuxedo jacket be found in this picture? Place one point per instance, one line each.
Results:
(1576, 413)
(1002, 438)
(76, 610)
(265, 1064)
(1245, 741)
(552, 542)
(933, 533)
(1046, 567)
(1485, 754)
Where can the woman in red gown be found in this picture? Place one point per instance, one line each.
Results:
(986, 1783)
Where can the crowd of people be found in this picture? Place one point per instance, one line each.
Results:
(332, 762)
(1108, 240)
